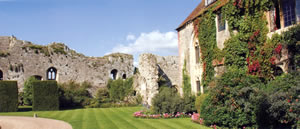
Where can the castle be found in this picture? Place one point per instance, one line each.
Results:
(20, 60)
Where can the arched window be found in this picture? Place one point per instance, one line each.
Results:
(51, 73)
(124, 76)
(1, 75)
(113, 74)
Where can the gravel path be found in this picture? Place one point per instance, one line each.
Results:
(12, 122)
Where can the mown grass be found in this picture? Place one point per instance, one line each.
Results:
(109, 118)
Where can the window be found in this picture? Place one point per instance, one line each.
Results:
(289, 13)
(197, 54)
(275, 17)
(198, 86)
(124, 76)
(208, 2)
(51, 73)
(1, 75)
(113, 74)
(221, 22)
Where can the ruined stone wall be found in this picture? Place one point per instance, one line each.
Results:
(185, 39)
(26, 59)
(151, 67)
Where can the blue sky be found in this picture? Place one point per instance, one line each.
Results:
(98, 27)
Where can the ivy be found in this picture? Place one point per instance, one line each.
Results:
(186, 81)
(245, 48)
(208, 44)
(249, 48)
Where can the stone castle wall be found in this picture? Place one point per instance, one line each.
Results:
(21, 59)
(151, 68)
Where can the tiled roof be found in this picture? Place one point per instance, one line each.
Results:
(194, 14)
(199, 10)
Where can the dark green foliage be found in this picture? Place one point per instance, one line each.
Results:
(207, 40)
(236, 52)
(241, 100)
(199, 102)
(45, 96)
(282, 105)
(292, 39)
(102, 98)
(234, 102)
(119, 89)
(188, 103)
(27, 97)
(8, 96)
(186, 81)
(119, 93)
(72, 94)
(167, 101)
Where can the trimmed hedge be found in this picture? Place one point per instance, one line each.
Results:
(8, 96)
(45, 96)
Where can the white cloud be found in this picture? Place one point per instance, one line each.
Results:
(130, 37)
(153, 42)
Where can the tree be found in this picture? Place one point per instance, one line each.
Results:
(28, 90)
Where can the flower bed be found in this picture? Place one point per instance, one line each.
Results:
(196, 118)
(142, 114)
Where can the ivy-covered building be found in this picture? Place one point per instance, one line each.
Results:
(235, 33)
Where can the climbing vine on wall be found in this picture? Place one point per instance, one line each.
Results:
(249, 48)
(208, 44)
(245, 47)
(186, 81)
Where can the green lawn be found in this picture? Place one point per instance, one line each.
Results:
(110, 118)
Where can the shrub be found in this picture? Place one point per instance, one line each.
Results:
(234, 102)
(72, 94)
(27, 96)
(199, 101)
(8, 96)
(167, 101)
(119, 89)
(102, 97)
(45, 96)
(188, 103)
(282, 105)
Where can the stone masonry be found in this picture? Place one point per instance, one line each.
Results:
(20, 60)
(152, 68)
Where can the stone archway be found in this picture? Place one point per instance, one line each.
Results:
(1, 75)
(113, 74)
(51, 73)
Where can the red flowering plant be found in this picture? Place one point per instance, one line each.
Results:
(254, 67)
(272, 60)
(144, 114)
(278, 49)
(196, 118)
